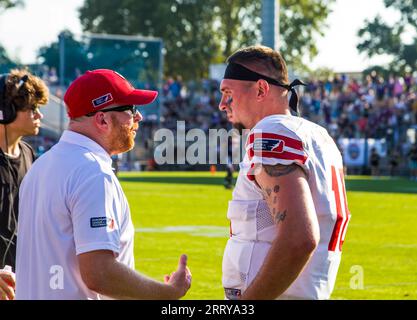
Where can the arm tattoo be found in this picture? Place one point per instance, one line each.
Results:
(268, 191)
(280, 216)
(280, 170)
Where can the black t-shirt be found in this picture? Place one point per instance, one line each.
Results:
(374, 159)
(394, 160)
(413, 153)
(12, 171)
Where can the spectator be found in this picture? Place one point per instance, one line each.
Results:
(374, 159)
(394, 160)
(412, 154)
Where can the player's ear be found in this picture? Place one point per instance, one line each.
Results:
(263, 89)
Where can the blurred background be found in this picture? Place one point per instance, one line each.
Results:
(358, 58)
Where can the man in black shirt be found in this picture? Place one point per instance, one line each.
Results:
(412, 154)
(21, 93)
(374, 162)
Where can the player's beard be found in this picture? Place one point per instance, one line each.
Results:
(122, 139)
(239, 126)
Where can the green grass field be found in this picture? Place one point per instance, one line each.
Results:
(185, 212)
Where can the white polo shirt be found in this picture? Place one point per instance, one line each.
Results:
(70, 203)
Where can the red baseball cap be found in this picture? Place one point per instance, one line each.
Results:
(97, 89)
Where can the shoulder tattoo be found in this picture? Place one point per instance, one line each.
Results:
(279, 170)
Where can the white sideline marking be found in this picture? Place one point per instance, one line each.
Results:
(200, 231)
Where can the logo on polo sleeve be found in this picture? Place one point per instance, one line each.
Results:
(101, 222)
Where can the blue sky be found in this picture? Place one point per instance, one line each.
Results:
(24, 30)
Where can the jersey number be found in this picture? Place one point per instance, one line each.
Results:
(343, 215)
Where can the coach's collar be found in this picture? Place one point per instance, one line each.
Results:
(85, 142)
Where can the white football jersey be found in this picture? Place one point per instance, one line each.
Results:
(285, 139)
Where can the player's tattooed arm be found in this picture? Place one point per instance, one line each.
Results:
(297, 232)
(271, 192)
(280, 170)
(271, 189)
(271, 196)
(278, 216)
(272, 185)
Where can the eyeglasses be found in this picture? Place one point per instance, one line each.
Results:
(133, 110)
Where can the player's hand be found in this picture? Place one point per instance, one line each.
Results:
(7, 285)
(181, 278)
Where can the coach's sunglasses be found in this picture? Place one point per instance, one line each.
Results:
(133, 110)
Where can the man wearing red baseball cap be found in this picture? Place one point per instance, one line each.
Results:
(75, 230)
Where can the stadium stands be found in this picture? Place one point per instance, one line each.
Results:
(371, 108)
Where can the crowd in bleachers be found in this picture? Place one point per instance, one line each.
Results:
(349, 107)
(370, 108)
(195, 103)
(373, 107)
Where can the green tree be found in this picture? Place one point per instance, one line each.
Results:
(5, 62)
(236, 23)
(301, 23)
(184, 27)
(323, 74)
(197, 33)
(7, 4)
(4, 58)
(75, 56)
(379, 37)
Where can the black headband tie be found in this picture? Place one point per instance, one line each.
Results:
(236, 71)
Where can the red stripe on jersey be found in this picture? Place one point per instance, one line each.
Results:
(250, 173)
(283, 155)
(348, 215)
(251, 153)
(339, 219)
(289, 142)
(250, 140)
